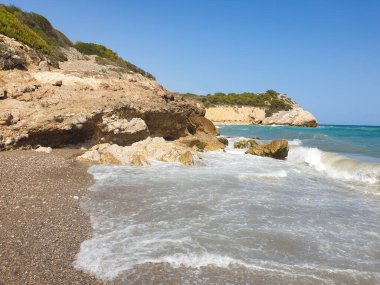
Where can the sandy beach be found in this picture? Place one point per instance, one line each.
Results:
(41, 222)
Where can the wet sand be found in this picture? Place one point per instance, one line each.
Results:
(41, 222)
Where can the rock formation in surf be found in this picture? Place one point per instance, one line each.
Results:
(276, 149)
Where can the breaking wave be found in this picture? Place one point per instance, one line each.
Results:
(336, 166)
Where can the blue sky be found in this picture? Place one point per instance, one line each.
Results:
(323, 53)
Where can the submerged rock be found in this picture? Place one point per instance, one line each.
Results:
(276, 149)
(245, 144)
(139, 153)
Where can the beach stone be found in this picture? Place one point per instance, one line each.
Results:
(58, 83)
(44, 66)
(276, 149)
(44, 149)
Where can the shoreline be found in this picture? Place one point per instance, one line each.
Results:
(41, 222)
(234, 123)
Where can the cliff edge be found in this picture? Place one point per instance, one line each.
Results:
(269, 108)
(55, 93)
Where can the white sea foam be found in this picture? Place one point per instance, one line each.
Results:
(236, 211)
(269, 175)
(208, 259)
(335, 165)
(295, 142)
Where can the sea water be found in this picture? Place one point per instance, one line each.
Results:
(241, 219)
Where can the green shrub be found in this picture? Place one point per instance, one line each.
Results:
(269, 100)
(35, 31)
(13, 28)
(108, 56)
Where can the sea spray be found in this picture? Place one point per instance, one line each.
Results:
(336, 166)
(235, 212)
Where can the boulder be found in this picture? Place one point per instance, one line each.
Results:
(245, 144)
(58, 83)
(199, 124)
(276, 149)
(201, 142)
(9, 61)
(138, 153)
(44, 149)
(295, 117)
(223, 140)
(44, 66)
(5, 118)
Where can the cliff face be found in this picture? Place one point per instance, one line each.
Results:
(267, 108)
(83, 101)
(245, 115)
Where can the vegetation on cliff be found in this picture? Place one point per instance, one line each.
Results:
(108, 56)
(37, 32)
(34, 30)
(272, 101)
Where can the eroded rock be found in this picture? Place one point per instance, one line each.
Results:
(201, 142)
(78, 111)
(122, 131)
(223, 140)
(245, 144)
(276, 149)
(140, 152)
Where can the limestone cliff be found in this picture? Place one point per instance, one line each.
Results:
(268, 108)
(85, 101)
(246, 115)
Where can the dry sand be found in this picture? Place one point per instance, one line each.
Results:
(41, 222)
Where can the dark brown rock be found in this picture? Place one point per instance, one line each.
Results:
(223, 140)
(276, 149)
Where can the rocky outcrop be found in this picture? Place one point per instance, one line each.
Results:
(295, 117)
(122, 131)
(223, 140)
(243, 115)
(84, 101)
(276, 149)
(201, 142)
(139, 153)
(235, 115)
(200, 124)
(14, 54)
(245, 144)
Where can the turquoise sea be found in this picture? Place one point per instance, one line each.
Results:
(362, 142)
(233, 218)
